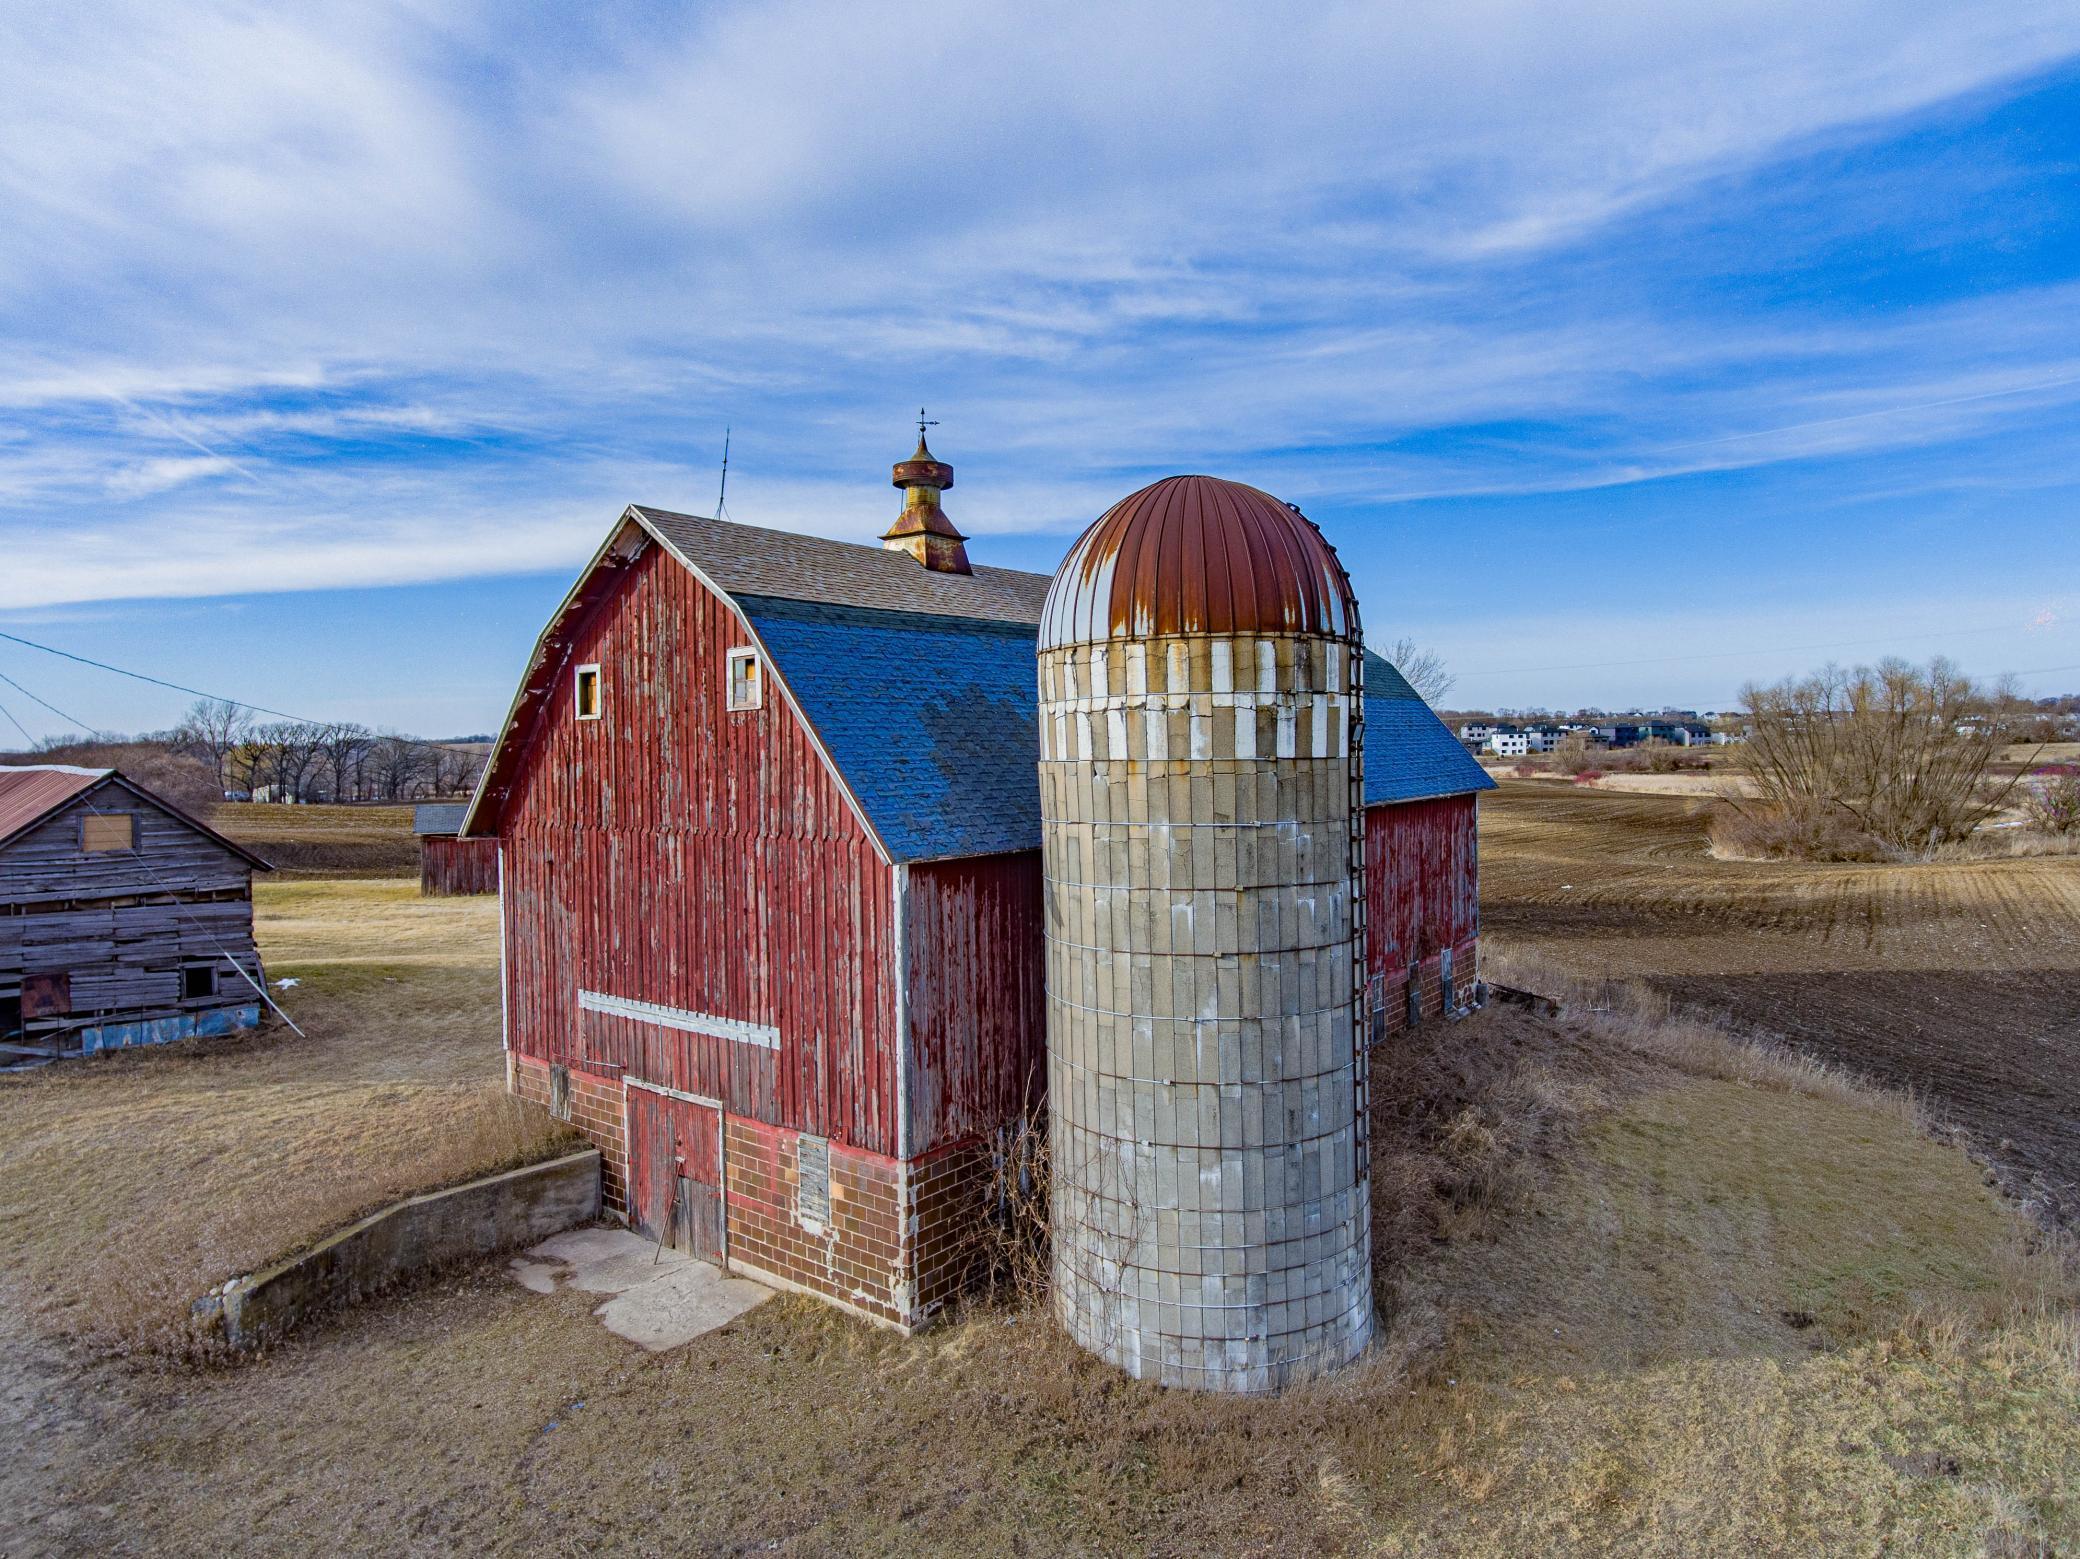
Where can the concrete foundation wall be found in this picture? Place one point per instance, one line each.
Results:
(498, 1213)
(1211, 1199)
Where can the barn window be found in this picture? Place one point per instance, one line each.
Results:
(745, 685)
(101, 832)
(197, 981)
(588, 692)
(812, 1208)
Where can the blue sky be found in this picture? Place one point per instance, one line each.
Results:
(1625, 352)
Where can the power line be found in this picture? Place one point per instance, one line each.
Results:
(139, 676)
(4, 710)
(175, 903)
(71, 720)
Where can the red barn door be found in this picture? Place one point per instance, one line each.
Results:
(675, 1171)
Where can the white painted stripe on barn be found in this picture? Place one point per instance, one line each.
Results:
(759, 1034)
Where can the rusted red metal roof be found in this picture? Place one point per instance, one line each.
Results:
(30, 793)
(1193, 555)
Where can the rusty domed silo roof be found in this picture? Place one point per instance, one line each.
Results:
(1197, 554)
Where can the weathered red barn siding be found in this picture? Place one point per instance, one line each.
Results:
(677, 852)
(976, 994)
(457, 865)
(1422, 901)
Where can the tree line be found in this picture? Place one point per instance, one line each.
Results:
(305, 760)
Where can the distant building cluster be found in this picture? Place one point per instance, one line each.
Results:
(1518, 739)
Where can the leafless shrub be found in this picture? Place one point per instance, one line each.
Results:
(1015, 1260)
(1755, 831)
(2051, 799)
(1901, 753)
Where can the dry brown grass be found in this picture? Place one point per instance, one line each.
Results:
(1644, 1288)
(134, 1182)
(324, 841)
(1640, 1293)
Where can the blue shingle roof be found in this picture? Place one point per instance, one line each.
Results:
(1410, 754)
(934, 722)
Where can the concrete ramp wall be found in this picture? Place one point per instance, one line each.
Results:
(421, 1233)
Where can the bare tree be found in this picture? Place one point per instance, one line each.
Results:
(1424, 670)
(395, 766)
(289, 755)
(1904, 753)
(342, 746)
(213, 730)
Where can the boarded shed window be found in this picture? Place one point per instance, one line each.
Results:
(100, 832)
(588, 692)
(746, 690)
(812, 1205)
(46, 995)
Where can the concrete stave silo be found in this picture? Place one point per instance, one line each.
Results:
(1200, 682)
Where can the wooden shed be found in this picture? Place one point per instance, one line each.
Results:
(767, 808)
(448, 864)
(123, 921)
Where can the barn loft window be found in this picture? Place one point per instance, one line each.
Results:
(746, 686)
(588, 692)
(101, 832)
(198, 980)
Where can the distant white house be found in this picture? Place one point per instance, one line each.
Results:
(1481, 730)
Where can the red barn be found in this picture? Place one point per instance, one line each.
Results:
(768, 833)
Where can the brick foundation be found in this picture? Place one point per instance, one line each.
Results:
(595, 1105)
(901, 1239)
(1390, 998)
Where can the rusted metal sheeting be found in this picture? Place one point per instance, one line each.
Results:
(28, 794)
(451, 865)
(674, 853)
(977, 997)
(1196, 554)
(1422, 881)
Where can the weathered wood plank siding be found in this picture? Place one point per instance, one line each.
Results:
(449, 865)
(977, 995)
(678, 853)
(121, 925)
(1422, 881)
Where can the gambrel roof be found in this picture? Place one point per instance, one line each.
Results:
(920, 688)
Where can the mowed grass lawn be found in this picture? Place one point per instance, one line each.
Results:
(131, 1184)
(1643, 1288)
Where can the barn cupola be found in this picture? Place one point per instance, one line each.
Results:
(922, 529)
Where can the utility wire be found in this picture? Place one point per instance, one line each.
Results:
(139, 676)
(4, 710)
(53, 708)
(174, 903)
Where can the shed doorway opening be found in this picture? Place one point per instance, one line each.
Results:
(675, 1175)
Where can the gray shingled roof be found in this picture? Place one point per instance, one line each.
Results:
(750, 560)
(438, 817)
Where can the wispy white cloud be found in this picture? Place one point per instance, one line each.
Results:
(354, 294)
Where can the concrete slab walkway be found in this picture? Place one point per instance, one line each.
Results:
(658, 1300)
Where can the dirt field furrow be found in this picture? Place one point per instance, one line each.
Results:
(1957, 980)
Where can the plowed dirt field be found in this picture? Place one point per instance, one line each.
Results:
(1959, 980)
